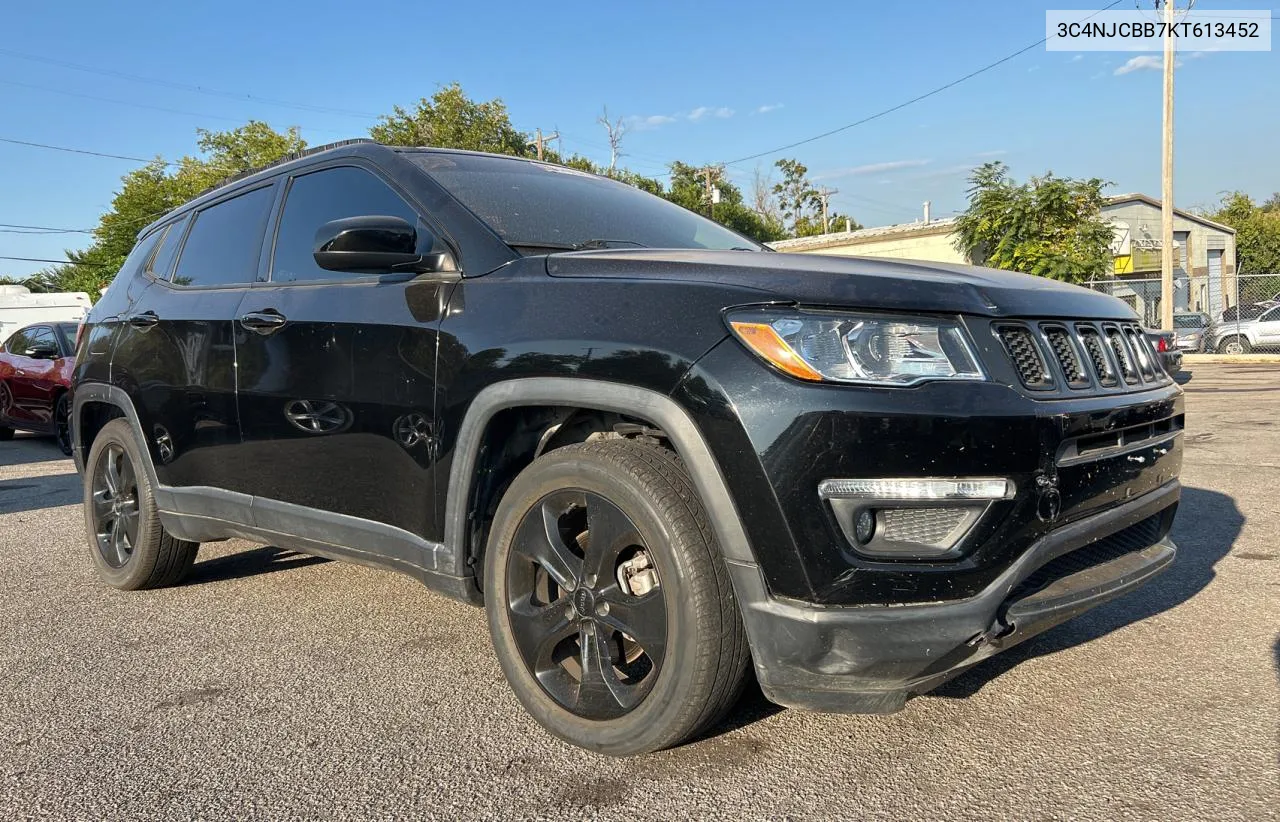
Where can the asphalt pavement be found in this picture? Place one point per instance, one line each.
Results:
(274, 685)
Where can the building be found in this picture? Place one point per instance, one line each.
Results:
(1204, 269)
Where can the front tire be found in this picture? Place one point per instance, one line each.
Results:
(130, 548)
(609, 605)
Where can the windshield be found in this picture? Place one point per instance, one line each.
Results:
(541, 206)
(1190, 321)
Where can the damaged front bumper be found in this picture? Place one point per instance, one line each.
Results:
(870, 658)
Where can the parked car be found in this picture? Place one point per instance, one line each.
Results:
(19, 307)
(1241, 336)
(652, 450)
(1191, 330)
(1167, 353)
(35, 375)
(1245, 311)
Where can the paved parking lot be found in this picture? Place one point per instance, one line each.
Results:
(274, 685)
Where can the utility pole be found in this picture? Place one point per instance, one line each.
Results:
(824, 194)
(539, 142)
(709, 175)
(1167, 249)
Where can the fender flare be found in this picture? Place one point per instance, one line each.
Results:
(601, 396)
(109, 395)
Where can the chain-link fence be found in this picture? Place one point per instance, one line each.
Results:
(1213, 313)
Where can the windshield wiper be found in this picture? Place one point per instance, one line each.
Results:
(585, 245)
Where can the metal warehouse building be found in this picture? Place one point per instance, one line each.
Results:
(1204, 268)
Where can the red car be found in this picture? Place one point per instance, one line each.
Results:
(35, 378)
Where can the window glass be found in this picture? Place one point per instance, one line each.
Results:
(140, 254)
(42, 335)
(1269, 316)
(223, 244)
(547, 206)
(317, 198)
(67, 335)
(162, 263)
(17, 342)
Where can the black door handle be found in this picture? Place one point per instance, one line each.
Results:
(145, 320)
(263, 322)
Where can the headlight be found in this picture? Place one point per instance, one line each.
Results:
(858, 348)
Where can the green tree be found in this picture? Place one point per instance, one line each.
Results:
(797, 198)
(450, 119)
(1257, 232)
(688, 189)
(148, 192)
(1049, 226)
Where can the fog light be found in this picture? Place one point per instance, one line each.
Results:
(865, 528)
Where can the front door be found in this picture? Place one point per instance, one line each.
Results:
(33, 355)
(337, 389)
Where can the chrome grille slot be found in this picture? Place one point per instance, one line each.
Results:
(1021, 346)
(1102, 368)
(1073, 369)
(1122, 356)
(1142, 349)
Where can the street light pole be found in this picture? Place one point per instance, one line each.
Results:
(1167, 249)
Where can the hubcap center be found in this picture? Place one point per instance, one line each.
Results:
(584, 602)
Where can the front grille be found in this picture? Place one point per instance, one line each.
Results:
(1134, 538)
(1121, 352)
(926, 526)
(1072, 368)
(1026, 357)
(1070, 358)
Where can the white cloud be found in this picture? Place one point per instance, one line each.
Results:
(638, 123)
(1076, 59)
(1143, 61)
(707, 111)
(768, 108)
(872, 168)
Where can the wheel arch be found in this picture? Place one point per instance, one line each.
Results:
(569, 394)
(93, 405)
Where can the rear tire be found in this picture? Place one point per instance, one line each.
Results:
(62, 423)
(1235, 345)
(130, 548)
(556, 588)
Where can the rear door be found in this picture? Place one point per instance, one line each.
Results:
(1267, 330)
(12, 367)
(176, 351)
(337, 388)
(34, 381)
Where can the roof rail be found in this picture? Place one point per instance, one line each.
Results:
(297, 155)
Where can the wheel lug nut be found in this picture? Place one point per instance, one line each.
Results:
(602, 609)
(589, 581)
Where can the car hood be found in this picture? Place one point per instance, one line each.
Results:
(851, 282)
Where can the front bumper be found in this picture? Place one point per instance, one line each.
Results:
(869, 659)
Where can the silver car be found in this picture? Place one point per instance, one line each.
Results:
(1239, 331)
(1191, 331)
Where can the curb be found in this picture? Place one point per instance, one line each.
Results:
(1237, 359)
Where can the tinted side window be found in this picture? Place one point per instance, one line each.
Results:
(41, 336)
(316, 198)
(223, 244)
(17, 342)
(141, 254)
(162, 263)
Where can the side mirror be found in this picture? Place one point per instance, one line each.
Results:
(43, 351)
(379, 244)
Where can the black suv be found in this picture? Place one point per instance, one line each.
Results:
(652, 449)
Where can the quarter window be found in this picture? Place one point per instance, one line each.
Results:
(161, 265)
(317, 198)
(224, 242)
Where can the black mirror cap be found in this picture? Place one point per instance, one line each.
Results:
(376, 244)
(43, 351)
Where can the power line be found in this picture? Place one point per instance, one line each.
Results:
(18, 228)
(137, 78)
(57, 262)
(913, 100)
(81, 151)
(145, 105)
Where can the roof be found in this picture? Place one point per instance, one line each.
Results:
(1135, 197)
(840, 238)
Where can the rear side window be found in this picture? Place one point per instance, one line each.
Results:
(161, 265)
(223, 244)
(141, 254)
(316, 198)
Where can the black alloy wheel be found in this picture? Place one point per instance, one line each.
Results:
(62, 423)
(115, 505)
(587, 610)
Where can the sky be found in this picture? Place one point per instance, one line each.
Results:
(702, 82)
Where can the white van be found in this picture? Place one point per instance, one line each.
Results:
(19, 308)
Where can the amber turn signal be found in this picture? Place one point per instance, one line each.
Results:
(763, 340)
